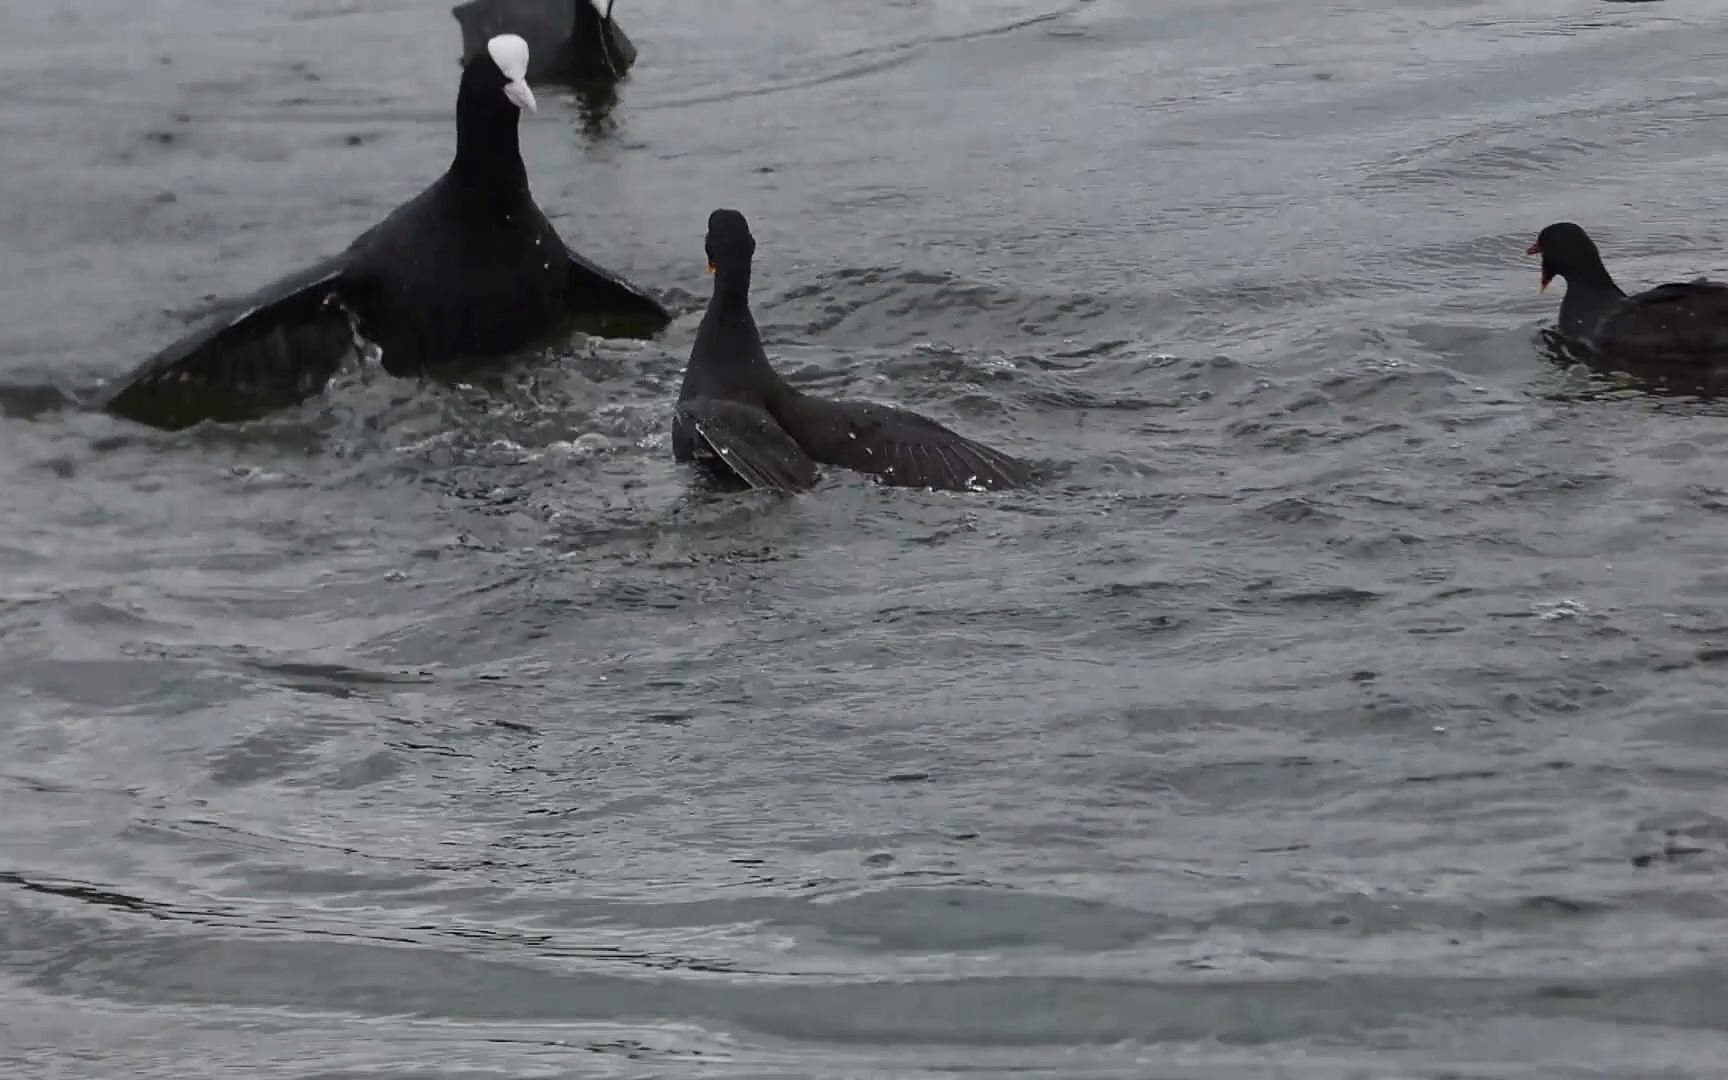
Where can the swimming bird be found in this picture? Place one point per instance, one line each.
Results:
(736, 413)
(572, 41)
(469, 269)
(1678, 329)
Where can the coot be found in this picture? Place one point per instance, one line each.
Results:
(468, 269)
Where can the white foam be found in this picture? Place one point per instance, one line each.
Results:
(510, 53)
(604, 7)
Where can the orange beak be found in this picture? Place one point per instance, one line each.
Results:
(710, 266)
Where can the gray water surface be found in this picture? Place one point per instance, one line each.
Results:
(1349, 703)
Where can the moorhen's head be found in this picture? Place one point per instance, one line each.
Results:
(729, 243)
(1567, 252)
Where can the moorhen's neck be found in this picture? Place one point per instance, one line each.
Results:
(1592, 276)
(1590, 293)
(731, 289)
(728, 341)
(488, 144)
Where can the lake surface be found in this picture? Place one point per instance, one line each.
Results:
(1352, 702)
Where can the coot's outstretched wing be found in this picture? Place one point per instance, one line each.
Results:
(899, 447)
(604, 303)
(267, 351)
(748, 441)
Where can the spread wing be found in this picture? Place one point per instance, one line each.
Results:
(899, 447)
(604, 303)
(748, 441)
(270, 350)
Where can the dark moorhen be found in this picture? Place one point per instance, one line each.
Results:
(738, 416)
(1673, 332)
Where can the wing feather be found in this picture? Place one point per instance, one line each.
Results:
(270, 350)
(748, 441)
(899, 447)
(605, 303)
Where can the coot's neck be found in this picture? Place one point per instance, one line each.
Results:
(488, 145)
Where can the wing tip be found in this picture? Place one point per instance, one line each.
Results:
(642, 319)
(978, 469)
(236, 372)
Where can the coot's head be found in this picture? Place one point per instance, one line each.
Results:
(1567, 252)
(729, 241)
(497, 74)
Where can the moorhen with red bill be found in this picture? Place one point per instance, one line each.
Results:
(1679, 329)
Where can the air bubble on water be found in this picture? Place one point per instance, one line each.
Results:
(587, 445)
(1559, 609)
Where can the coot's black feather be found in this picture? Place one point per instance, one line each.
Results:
(607, 304)
(734, 409)
(569, 40)
(469, 269)
(266, 351)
